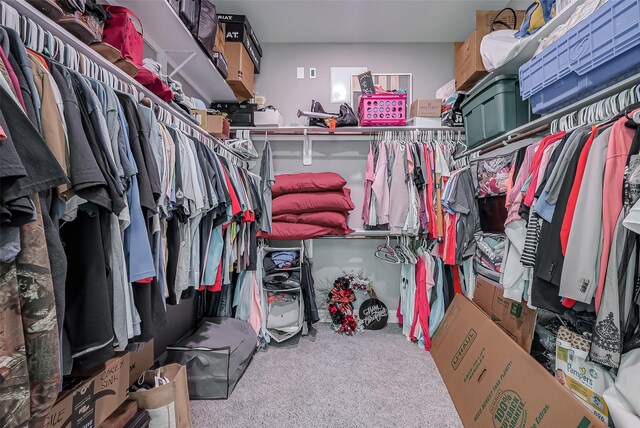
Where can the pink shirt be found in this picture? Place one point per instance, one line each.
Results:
(545, 162)
(617, 152)
(399, 191)
(514, 198)
(380, 186)
(536, 168)
(368, 183)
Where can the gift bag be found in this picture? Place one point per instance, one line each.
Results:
(164, 394)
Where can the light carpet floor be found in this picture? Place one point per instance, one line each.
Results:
(373, 379)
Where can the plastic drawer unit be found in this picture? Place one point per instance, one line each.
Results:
(601, 50)
(493, 109)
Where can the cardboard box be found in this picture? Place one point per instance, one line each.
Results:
(237, 28)
(515, 318)
(141, 358)
(493, 382)
(220, 40)
(93, 400)
(271, 118)
(469, 68)
(243, 21)
(121, 416)
(240, 68)
(484, 19)
(426, 108)
(586, 380)
(214, 124)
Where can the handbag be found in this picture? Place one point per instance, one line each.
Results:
(497, 21)
(316, 107)
(165, 397)
(124, 32)
(347, 116)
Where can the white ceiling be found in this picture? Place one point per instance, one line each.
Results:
(362, 21)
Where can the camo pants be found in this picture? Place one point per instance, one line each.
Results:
(30, 374)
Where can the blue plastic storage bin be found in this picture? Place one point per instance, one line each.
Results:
(601, 50)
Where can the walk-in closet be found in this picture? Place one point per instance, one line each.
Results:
(332, 213)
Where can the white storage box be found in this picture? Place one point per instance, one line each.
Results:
(271, 118)
(425, 122)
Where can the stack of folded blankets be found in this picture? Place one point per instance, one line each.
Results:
(309, 205)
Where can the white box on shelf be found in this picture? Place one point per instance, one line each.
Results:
(425, 122)
(268, 118)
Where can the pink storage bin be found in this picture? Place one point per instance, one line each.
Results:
(383, 110)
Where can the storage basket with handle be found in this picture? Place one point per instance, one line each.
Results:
(165, 396)
(383, 110)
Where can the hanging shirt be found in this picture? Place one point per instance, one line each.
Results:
(573, 196)
(617, 151)
(380, 185)
(368, 183)
(580, 274)
(399, 191)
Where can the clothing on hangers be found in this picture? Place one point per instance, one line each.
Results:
(109, 213)
(567, 247)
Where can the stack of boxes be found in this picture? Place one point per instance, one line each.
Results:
(88, 399)
(469, 68)
(243, 54)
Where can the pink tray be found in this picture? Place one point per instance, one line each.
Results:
(383, 110)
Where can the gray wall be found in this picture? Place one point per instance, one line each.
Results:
(430, 63)
(331, 257)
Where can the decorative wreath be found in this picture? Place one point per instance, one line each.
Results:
(340, 302)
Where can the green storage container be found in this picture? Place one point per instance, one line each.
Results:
(493, 109)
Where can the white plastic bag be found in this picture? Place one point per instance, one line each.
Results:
(496, 46)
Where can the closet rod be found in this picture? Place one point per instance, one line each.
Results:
(515, 139)
(614, 89)
(364, 234)
(349, 130)
(27, 11)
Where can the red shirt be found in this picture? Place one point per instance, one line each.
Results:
(431, 210)
(535, 166)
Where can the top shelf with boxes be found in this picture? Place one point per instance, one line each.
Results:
(243, 53)
(469, 68)
(174, 40)
(527, 47)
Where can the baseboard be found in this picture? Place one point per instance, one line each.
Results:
(324, 316)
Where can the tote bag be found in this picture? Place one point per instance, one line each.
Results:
(124, 32)
(168, 404)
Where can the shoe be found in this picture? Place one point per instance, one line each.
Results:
(128, 67)
(48, 7)
(74, 24)
(106, 50)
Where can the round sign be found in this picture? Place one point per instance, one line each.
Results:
(374, 314)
